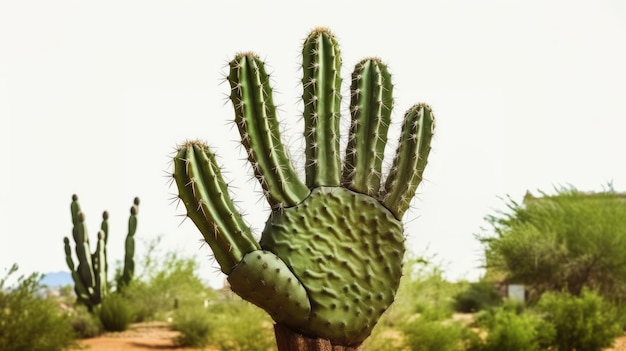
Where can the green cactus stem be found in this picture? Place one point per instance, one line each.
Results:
(370, 106)
(128, 272)
(90, 276)
(411, 158)
(321, 95)
(329, 260)
(205, 195)
(255, 115)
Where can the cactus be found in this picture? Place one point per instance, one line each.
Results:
(330, 256)
(90, 276)
(129, 257)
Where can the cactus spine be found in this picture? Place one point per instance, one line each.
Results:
(90, 276)
(330, 256)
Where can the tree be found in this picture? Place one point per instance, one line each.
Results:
(566, 241)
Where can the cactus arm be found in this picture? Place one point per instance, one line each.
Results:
(322, 101)
(129, 257)
(75, 209)
(85, 265)
(99, 262)
(79, 287)
(410, 160)
(370, 106)
(104, 228)
(205, 195)
(255, 116)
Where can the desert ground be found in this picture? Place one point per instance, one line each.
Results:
(139, 337)
(158, 336)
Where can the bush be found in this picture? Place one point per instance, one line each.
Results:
(384, 339)
(477, 297)
(85, 324)
(584, 322)
(164, 282)
(193, 323)
(236, 325)
(423, 290)
(511, 328)
(29, 322)
(115, 313)
(421, 314)
(423, 334)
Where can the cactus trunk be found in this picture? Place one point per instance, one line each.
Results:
(288, 340)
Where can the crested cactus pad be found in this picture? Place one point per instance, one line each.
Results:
(347, 250)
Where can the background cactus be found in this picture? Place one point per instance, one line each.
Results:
(330, 257)
(90, 276)
(129, 257)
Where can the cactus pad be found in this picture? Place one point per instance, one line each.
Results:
(347, 250)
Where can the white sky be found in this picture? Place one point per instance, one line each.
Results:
(95, 95)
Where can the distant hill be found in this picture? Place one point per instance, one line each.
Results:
(57, 279)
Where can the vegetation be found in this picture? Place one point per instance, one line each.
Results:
(511, 327)
(167, 280)
(85, 323)
(478, 296)
(421, 318)
(568, 241)
(237, 325)
(194, 324)
(115, 313)
(425, 314)
(29, 321)
(585, 322)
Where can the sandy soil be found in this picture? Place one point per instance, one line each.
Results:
(139, 337)
(620, 344)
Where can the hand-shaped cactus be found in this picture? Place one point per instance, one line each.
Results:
(330, 257)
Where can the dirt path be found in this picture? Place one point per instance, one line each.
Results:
(620, 344)
(139, 337)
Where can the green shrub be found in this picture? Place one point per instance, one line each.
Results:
(29, 322)
(511, 328)
(384, 339)
(165, 278)
(478, 296)
(236, 325)
(115, 313)
(193, 323)
(423, 290)
(85, 324)
(584, 322)
(422, 334)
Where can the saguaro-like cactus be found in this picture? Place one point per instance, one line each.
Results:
(90, 276)
(129, 257)
(330, 257)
